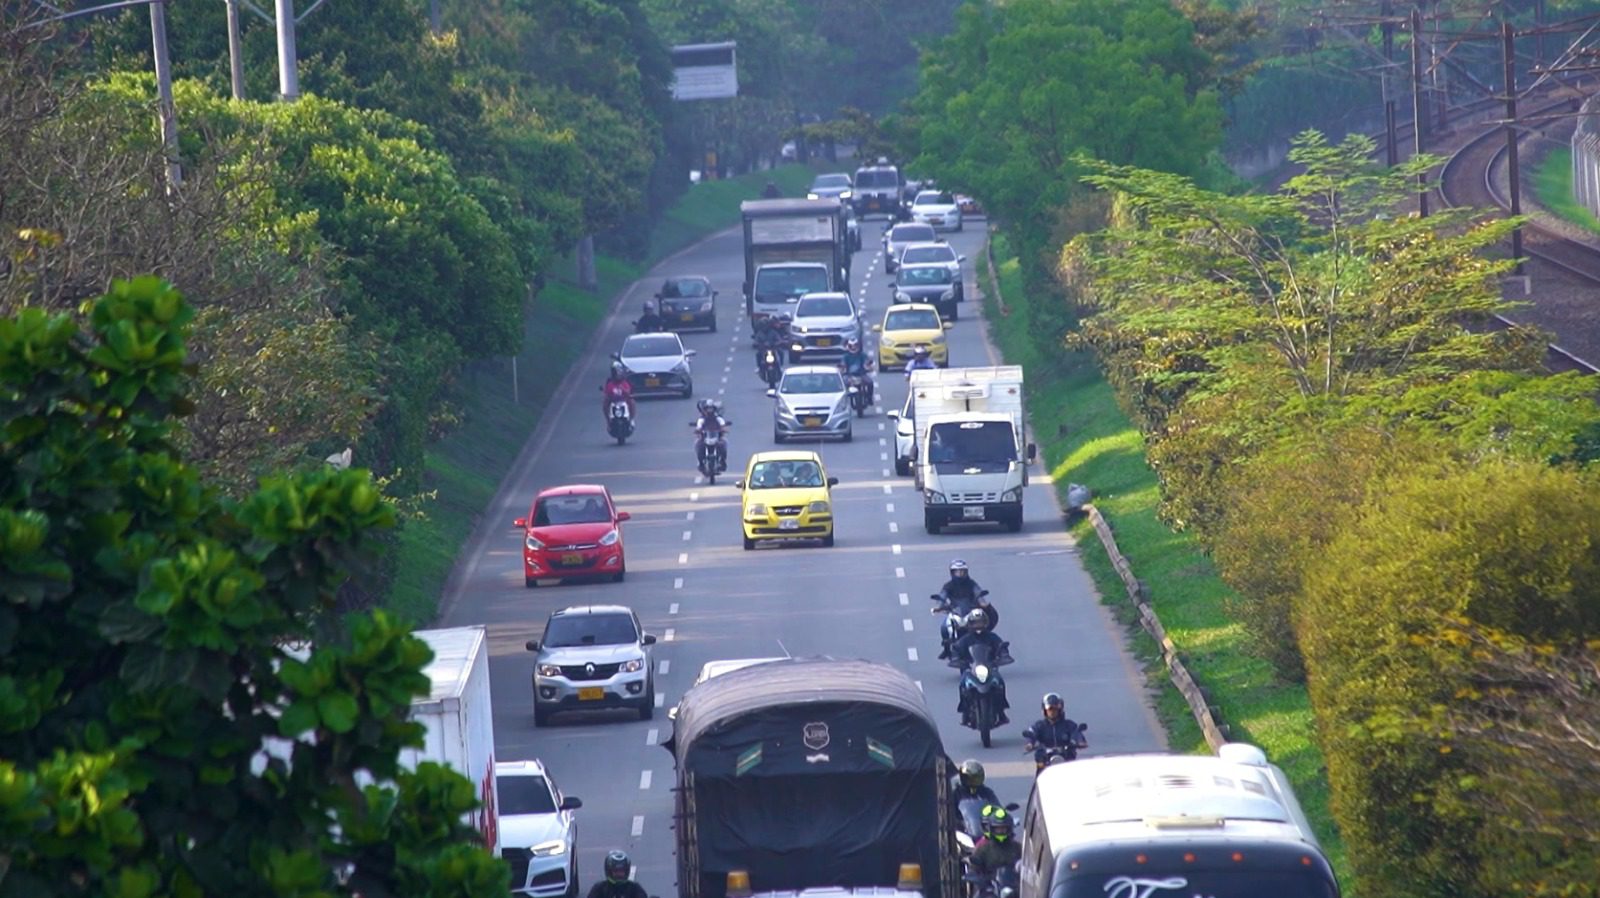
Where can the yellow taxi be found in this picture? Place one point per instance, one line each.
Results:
(905, 327)
(786, 495)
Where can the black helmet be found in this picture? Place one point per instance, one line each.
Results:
(1052, 700)
(971, 773)
(958, 569)
(617, 866)
(997, 823)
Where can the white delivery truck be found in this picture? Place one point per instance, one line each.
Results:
(970, 453)
(459, 718)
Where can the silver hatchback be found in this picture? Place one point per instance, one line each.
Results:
(592, 657)
(821, 324)
(811, 401)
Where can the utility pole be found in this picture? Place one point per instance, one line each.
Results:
(1387, 14)
(1508, 40)
(435, 19)
(235, 60)
(166, 110)
(288, 76)
(1538, 30)
(1419, 121)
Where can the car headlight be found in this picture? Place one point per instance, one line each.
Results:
(532, 542)
(819, 507)
(885, 340)
(549, 849)
(1012, 495)
(799, 328)
(846, 194)
(948, 294)
(610, 539)
(981, 672)
(756, 510)
(633, 666)
(549, 670)
(681, 368)
(937, 339)
(901, 297)
(705, 306)
(812, 196)
(934, 497)
(843, 405)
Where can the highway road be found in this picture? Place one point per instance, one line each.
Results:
(705, 598)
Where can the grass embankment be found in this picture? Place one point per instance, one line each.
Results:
(490, 425)
(1085, 437)
(1552, 186)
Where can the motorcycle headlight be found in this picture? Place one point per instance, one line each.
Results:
(981, 672)
(934, 497)
(756, 510)
(633, 666)
(819, 507)
(532, 542)
(1012, 495)
(610, 539)
(549, 670)
(549, 849)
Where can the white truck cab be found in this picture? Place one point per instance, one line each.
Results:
(970, 456)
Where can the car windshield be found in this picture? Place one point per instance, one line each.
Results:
(589, 629)
(794, 282)
(881, 177)
(912, 320)
(772, 475)
(688, 287)
(933, 198)
(916, 254)
(971, 442)
(644, 345)
(824, 307)
(840, 180)
(809, 382)
(587, 508)
(524, 795)
(925, 274)
(910, 233)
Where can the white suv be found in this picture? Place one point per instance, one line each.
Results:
(592, 657)
(538, 834)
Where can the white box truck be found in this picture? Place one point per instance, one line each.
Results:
(459, 718)
(970, 456)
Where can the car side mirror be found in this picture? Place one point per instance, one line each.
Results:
(531, 645)
(571, 804)
(623, 516)
(892, 414)
(961, 258)
(1033, 452)
(672, 713)
(949, 324)
(1013, 806)
(739, 484)
(690, 353)
(833, 481)
(649, 639)
(772, 394)
(1083, 727)
(714, 294)
(520, 523)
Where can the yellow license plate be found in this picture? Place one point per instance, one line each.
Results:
(687, 316)
(825, 341)
(591, 694)
(811, 422)
(572, 558)
(652, 381)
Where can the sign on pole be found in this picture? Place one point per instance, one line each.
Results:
(705, 71)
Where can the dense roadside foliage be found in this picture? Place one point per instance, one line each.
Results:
(142, 619)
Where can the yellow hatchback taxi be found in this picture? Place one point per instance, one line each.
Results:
(786, 494)
(905, 327)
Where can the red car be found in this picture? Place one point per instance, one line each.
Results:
(572, 531)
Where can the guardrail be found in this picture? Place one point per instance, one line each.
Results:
(1586, 157)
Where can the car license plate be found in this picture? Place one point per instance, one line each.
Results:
(811, 422)
(687, 316)
(572, 558)
(824, 341)
(789, 524)
(934, 219)
(652, 381)
(591, 694)
(973, 512)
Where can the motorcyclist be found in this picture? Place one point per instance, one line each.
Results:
(711, 420)
(856, 363)
(769, 335)
(617, 387)
(978, 633)
(968, 785)
(617, 884)
(998, 849)
(961, 594)
(650, 320)
(771, 191)
(920, 359)
(1054, 730)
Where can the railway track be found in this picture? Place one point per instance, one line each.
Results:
(1469, 179)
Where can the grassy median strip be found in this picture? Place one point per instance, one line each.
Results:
(1552, 186)
(486, 428)
(1085, 437)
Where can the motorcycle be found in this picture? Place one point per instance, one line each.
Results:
(1003, 883)
(860, 393)
(982, 689)
(619, 422)
(954, 624)
(1046, 755)
(711, 453)
(770, 366)
(648, 324)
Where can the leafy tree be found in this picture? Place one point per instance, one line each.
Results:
(142, 620)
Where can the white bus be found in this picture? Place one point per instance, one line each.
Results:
(1170, 826)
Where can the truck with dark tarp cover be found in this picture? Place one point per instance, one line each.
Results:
(793, 247)
(812, 773)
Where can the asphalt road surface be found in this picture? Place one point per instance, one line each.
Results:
(706, 599)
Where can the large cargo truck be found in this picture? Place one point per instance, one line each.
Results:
(459, 718)
(792, 247)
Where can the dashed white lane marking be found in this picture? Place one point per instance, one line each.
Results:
(880, 425)
(883, 456)
(683, 558)
(644, 779)
(900, 573)
(689, 516)
(661, 700)
(694, 497)
(886, 472)
(687, 534)
(663, 666)
(911, 655)
(638, 824)
(651, 737)
(906, 622)
(893, 527)
(720, 390)
(667, 636)
(673, 608)
(882, 441)
(724, 378)
(677, 583)
(905, 599)
(895, 548)
(889, 507)
(886, 489)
